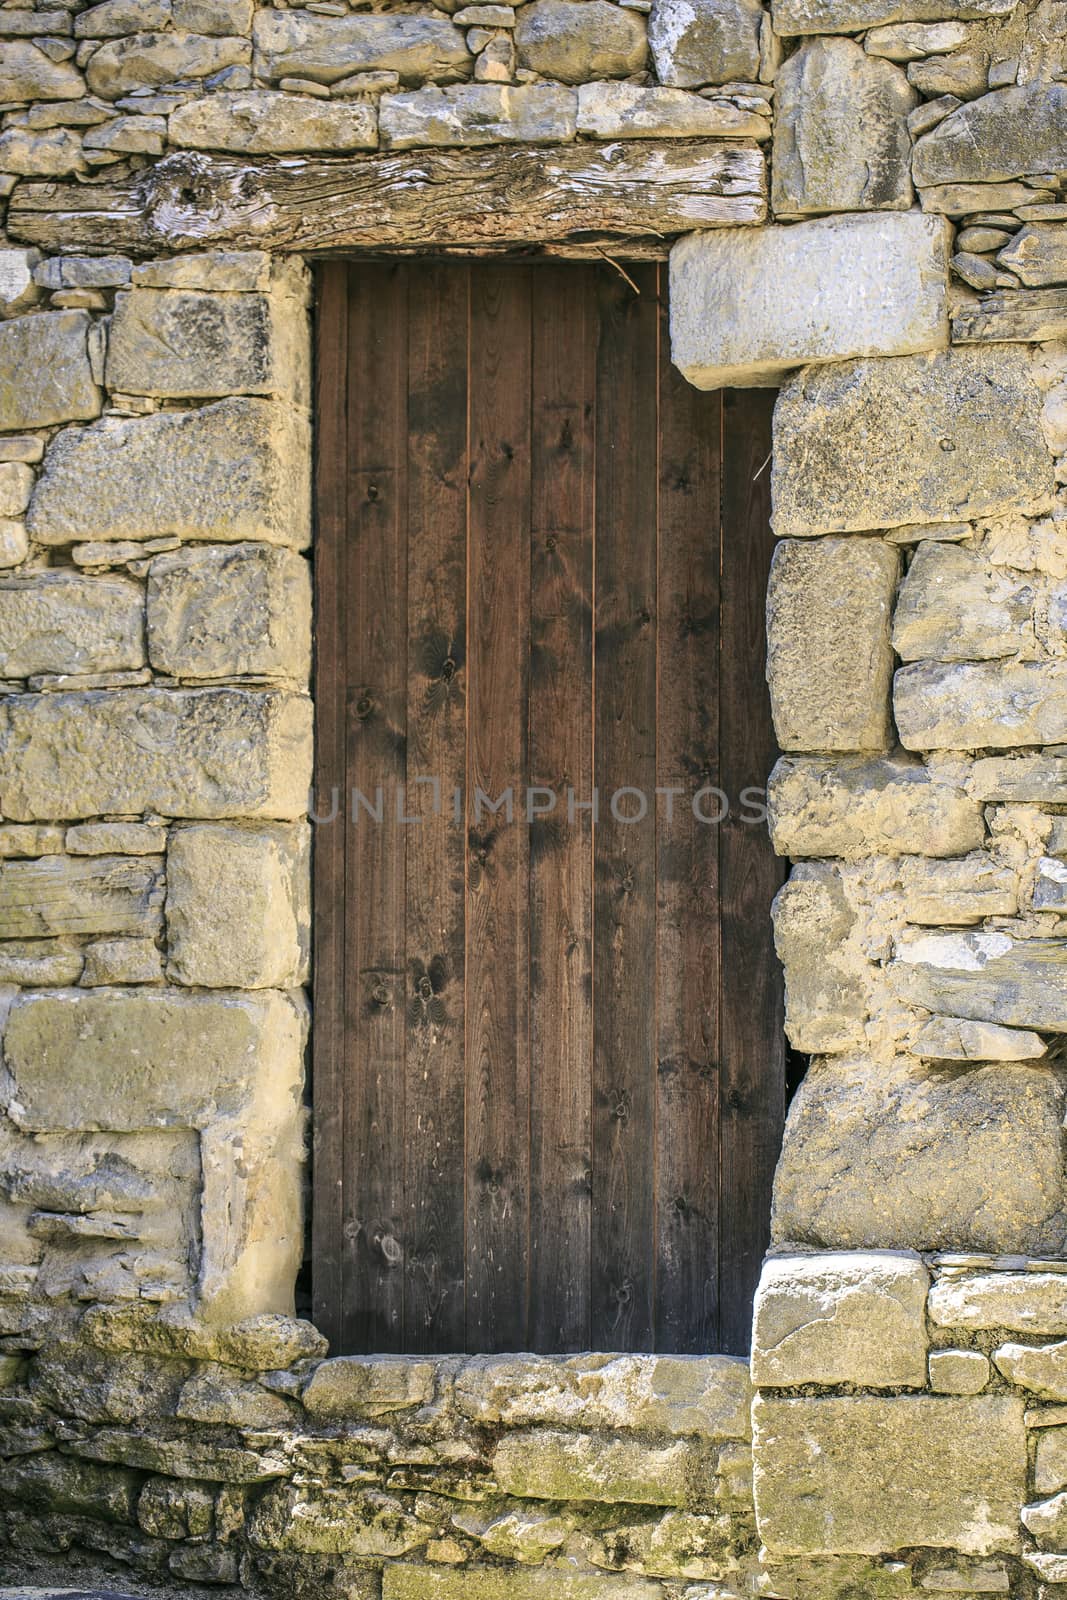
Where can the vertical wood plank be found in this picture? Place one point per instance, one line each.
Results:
(753, 1042)
(436, 749)
(376, 605)
(687, 849)
(497, 949)
(560, 759)
(328, 1082)
(624, 1183)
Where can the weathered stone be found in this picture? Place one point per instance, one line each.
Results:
(18, 839)
(957, 892)
(1027, 778)
(965, 705)
(94, 894)
(958, 1372)
(908, 41)
(28, 73)
(870, 1473)
(1009, 133)
(286, 1575)
(1021, 1302)
(853, 807)
(263, 1342)
(829, 661)
(238, 911)
(215, 1394)
(853, 16)
(841, 1318)
(628, 111)
(213, 16)
(111, 961)
(825, 995)
(16, 486)
(112, 19)
(264, 122)
(349, 1387)
(55, 154)
(183, 344)
(173, 1510)
(334, 1521)
(964, 199)
(476, 114)
(1038, 255)
(54, 1483)
(1047, 1521)
(955, 1039)
(77, 1381)
(299, 44)
(238, 469)
(1041, 1369)
(573, 40)
(18, 285)
(954, 606)
(21, 447)
(145, 60)
(1052, 1568)
(863, 445)
(964, 74)
(182, 1456)
(39, 963)
(64, 622)
(675, 1544)
(45, 375)
(694, 42)
(918, 1158)
(230, 611)
(542, 1464)
(1050, 1470)
(841, 136)
(194, 753)
(115, 838)
(221, 271)
(859, 285)
(14, 545)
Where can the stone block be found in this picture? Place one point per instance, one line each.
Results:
(18, 283)
(829, 661)
(917, 1158)
(858, 286)
(45, 373)
(14, 546)
(300, 44)
(955, 606)
(1033, 778)
(111, 19)
(695, 42)
(856, 1318)
(1010, 133)
(1020, 1302)
(263, 1342)
(39, 963)
(115, 838)
(841, 133)
(238, 469)
(63, 622)
(29, 73)
(954, 1039)
(543, 1464)
(985, 976)
(957, 892)
(401, 1581)
(1050, 1467)
(854, 16)
(871, 1473)
(854, 807)
(964, 705)
(1040, 1369)
(958, 1372)
(221, 271)
(19, 839)
(238, 906)
(111, 961)
(1038, 255)
(191, 753)
(230, 611)
(183, 1457)
(266, 122)
(350, 1387)
(184, 344)
(75, 1380)
(629, 111)
(825, 991)
(478, 113)
(215, 1394)
(51, 1483)
(1047, 1521)
(57, 896)
(16, 486)
(574, 40)
(862, 445)
(147, 60)
(329, 1521)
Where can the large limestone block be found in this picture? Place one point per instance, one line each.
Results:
(218, 611)
(573, 40)
(825, 993)
(630, 111)
(146, 60)
(986, 976)
(854, 16)
(239, 469)
(179, 344)
(58, 895)
(871, 1473)
(45, 373)
(919, 1158)
(238, 906)
(829, 660)
(478, 113)
(1021, 1302)
(927, 438)
(28, 73)
(968, 705)
(64, 622)
(841, 140)
(858, 286)
(267, 122)
(188, 753)
(1009, 133)
(301, 44)
(694, 42)
(543, 1464)
(854, 807)
(955, 606)
(843, 1317)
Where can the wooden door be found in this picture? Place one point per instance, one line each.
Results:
(548, 1068)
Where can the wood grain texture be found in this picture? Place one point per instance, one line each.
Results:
(415, 200)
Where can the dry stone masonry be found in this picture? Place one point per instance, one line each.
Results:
(865, 203)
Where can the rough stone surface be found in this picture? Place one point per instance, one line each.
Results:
(29, 73)
(266, 122)
(911, 1157)
(841, 1318)
(547, 1465)
(628, 111)
(572, 40)
(851, 807)
(1010, 133)
(45, 372)
(404, 1582)
(64, 622)
(95, 894)
(351, 1386)
(694, 42)
(829, 661)
(957, 892)
(238, 469)
(868, 1474)
(1040, 1369)
(970, 705)
(954, 606)
(987, 976)
(825, 995)
(859, 285)
(477, 114)
(238, 911)
(1021, 1302)
(841, 135)
(1037, 255)
(862, 445)
(145, 60)
(853, 16)
(182, 344)
(197, 753)
(230, 611)
(299, 44)
(955, 1039)
(958, 1371)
